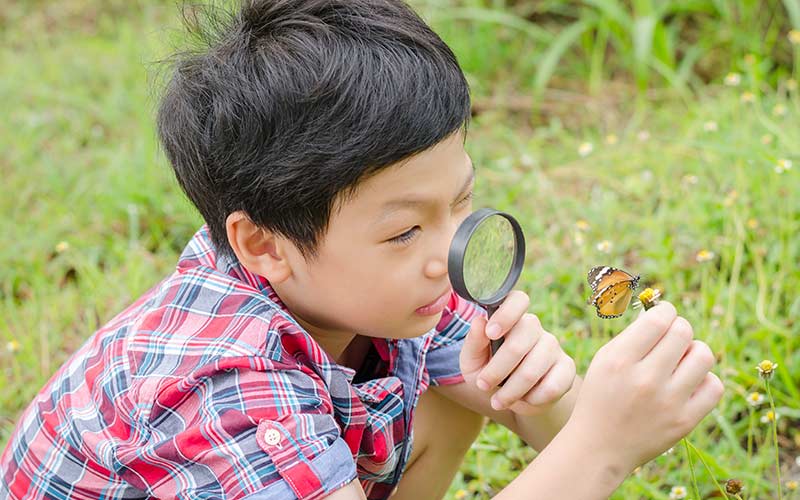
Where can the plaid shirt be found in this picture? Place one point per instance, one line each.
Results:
(206, 387)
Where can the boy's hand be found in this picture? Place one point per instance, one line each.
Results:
(539, 372)
(645, 390)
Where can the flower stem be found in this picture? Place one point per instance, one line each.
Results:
(775, 438)
(750, 424)
(691, 467)
(708, 469)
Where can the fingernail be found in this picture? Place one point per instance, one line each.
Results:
(496, 404)
(493, 331)
(482, 385)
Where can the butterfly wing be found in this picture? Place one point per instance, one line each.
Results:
(613, 300)
(600, 277)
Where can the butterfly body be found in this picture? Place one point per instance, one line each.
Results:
(612, 290)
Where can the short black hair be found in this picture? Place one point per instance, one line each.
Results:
(285, 106)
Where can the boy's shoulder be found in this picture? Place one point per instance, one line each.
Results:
(209, 315)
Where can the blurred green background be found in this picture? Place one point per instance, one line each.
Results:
(658, 136)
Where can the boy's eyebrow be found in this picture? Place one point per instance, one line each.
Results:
(394, 205)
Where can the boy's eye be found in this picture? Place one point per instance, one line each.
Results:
(409, 235)
(406, 237)
(466, 198)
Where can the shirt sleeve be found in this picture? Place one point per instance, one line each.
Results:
(441, 360)
(237, 430)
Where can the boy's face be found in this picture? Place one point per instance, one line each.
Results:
(364, 282)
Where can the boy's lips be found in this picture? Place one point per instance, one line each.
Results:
(437, 305)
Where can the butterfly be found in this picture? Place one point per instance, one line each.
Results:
(612, 290)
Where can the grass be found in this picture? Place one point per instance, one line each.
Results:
(92, 217)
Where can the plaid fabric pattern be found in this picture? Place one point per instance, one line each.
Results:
(206, 387)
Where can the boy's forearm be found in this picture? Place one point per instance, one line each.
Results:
(539, 430)
(567, 469)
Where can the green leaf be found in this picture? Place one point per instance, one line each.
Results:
(554, 52)
(793, 8)
(483, 15)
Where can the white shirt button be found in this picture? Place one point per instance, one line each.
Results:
(272, 436)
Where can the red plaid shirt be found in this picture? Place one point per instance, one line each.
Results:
(206, 387)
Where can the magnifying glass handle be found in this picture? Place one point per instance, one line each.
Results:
(495, 344)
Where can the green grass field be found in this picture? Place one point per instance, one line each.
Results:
(688, 183)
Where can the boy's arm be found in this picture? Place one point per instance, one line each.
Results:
(536, 430)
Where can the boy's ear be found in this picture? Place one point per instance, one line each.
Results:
(258, 250)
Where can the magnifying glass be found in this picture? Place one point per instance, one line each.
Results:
(486, 258)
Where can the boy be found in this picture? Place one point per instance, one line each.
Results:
(308, 344)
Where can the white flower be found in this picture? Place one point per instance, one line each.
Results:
(704, 256)
(585, 149)
(612, 139)
(604, 246)
(677, 492)
(779, 110)
(710, 126)
(755, 398)
(769, 417)
(12, 346)
(733, 79)
(782, 165)
(643, 135)
(689, 180)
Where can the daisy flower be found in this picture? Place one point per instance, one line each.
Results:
(766, 369)
(769, 416)
(782, 165)
(604, 246)
(794, 37)
(677, 492)
(585, 149)
(747, 97)
(733, 79)
(704, 255)
(611, 139)
(710, 126)
(12, 346)
(755, 398)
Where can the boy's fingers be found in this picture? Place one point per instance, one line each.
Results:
(667, 353)
(646, 331)
(518, 343)
(506, 316)
(476, 350)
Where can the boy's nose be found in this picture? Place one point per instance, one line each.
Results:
(437, 266)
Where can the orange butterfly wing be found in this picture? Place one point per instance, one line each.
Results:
(612, 290)
(613, 300)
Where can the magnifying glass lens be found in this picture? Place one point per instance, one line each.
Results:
(489, 257)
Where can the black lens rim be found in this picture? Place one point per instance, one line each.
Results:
(457, 252)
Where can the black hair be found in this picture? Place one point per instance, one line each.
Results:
(285, 106)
